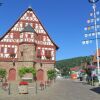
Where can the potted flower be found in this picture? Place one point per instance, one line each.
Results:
(23, 87)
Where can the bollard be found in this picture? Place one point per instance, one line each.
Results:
(36, 88)
(45, 84)
(42, 86)
(9, 89)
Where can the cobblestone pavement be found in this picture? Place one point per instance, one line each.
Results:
(61, 90)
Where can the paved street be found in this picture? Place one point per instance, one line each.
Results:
(61, 90)
(69, 90)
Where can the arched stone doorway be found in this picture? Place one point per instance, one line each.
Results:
(12, 74)
(40, 75)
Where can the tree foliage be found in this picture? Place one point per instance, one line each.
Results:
(24, 70)
(66, 64)
(51, 74)
(88, 71)
(3, 73)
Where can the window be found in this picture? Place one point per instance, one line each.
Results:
(29, 35)
(29, 14)
(12, 55)
(48, 54)
(2, 49)
(41, 64)
(13, 63)
(10, 50)
(40, 38)
(16, 36)
(23, 24)
(39, 53)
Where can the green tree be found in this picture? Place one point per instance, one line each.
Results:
(66, 64)
(51, 74)
(65, 71)
(88, 71)
(3, 73)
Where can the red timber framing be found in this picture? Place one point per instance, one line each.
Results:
(14, 37)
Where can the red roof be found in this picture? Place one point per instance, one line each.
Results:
(91, 66)
(74, 68)
(82, 70)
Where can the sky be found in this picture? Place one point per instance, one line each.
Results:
(64, 21)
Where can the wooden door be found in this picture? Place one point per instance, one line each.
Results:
(40, 75)
(12, 74)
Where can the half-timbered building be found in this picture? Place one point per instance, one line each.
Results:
(27, 44)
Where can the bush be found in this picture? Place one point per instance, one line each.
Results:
(3, 73)
(51, 74)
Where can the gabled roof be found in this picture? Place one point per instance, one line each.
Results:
(28, 28)
(29, 9)
(76, 68)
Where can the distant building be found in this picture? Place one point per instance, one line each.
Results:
(27, 44)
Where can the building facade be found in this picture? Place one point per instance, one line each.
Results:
(27, 44)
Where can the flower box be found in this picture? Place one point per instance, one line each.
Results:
(23, 83)
(23, 87)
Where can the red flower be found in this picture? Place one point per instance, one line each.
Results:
(23, 83)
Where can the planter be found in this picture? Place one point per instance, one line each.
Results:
(23, 88)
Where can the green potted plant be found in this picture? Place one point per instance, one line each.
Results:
(3, 74)
(96, 81)
(51, 75)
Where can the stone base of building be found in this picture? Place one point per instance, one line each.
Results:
(12, 70)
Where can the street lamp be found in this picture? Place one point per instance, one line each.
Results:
(95, 31)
